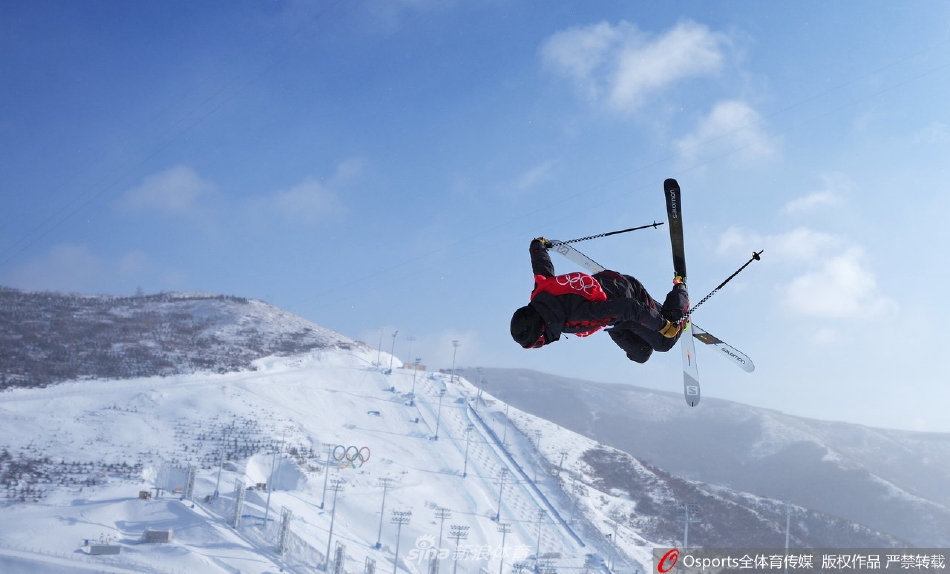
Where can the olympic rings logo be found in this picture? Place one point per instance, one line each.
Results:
(577, 281)
(354, 456)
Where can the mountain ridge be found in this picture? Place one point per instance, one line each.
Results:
(48, 337)
(891, 480)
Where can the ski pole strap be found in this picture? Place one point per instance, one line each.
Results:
(654, 225)
(756, 256)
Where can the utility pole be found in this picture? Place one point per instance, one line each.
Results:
(410, 338)
(336, 485)
(399, 518)
(385, 482)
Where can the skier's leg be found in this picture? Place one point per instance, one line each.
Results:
(636, 348)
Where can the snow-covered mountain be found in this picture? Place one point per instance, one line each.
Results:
(322, 453)
(50, 337)
(893, 481)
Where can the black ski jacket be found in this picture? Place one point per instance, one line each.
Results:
(632, 316)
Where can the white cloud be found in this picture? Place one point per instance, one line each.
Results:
(308, 200)
(840, 288)
(578, 53)
(311, 199)
(732, 129)
(621, 67)
(537, 174)
(177, 190)
(74, 268)
(799, 245)
(825, 336)
(67, 267)
(829, 274)
(935, 133)
(830, 194)
(688, 50)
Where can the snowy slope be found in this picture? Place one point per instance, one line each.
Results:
(893, 481)
(76, 455)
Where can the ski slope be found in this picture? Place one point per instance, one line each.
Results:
(86, 449)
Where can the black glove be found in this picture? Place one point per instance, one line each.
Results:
(546, 243)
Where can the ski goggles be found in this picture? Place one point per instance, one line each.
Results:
(540, 342)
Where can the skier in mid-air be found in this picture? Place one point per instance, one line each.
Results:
(582, 304)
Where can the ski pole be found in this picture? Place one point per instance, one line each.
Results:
(755, 257)
(654, 225)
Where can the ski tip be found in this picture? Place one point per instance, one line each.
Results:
(670, 183)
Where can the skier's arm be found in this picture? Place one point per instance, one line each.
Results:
(540, 260)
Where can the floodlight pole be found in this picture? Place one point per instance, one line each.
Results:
(689, 508)
(410, 338)
(392, 351)
(384, 482)
(379, 348)
(412, 393)
(456, 345)
(788, 527)
(537, 550)
(504, 437)
(501, 490)
(336, 487)
(399, 518)
(459, 533)
(224, 446)
(504, 528)
(326, 474)
(468, 438)
(438, 419)
(441, 514)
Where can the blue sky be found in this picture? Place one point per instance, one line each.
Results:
(385, 164)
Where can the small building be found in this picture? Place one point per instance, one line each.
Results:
(157, 536)
(145, 494)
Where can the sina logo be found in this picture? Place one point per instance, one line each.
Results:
(425, 549)
(425, 542)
